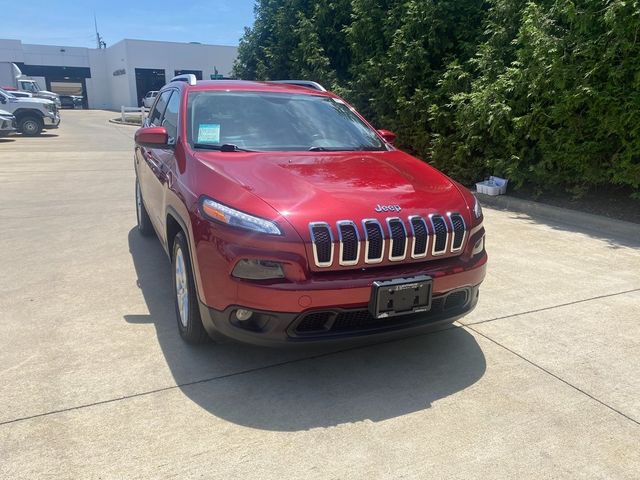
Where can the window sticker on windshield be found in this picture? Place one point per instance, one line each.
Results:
(209, 133)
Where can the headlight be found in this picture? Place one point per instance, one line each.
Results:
(221, 213)
(477, 209)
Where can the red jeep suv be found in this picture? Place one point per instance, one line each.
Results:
(289, 219)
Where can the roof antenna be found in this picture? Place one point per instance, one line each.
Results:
(101, 43)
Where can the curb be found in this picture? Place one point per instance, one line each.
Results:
(117, 122)
(583, 220)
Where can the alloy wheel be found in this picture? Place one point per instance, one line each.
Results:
(182, 287)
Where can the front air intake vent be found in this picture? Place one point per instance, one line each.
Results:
(459, 231)
(322, 241)
(440, 234)
(349, 242)
(374, 241)
(420, 237)
(398, 239)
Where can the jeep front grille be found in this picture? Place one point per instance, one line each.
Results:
(416, 237)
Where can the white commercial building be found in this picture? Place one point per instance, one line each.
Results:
(120, 74)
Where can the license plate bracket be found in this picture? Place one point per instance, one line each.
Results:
(400, 296)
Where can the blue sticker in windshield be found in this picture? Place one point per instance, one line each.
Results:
(209, 133)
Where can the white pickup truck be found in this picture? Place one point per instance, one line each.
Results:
(32, 114)
(12, 76)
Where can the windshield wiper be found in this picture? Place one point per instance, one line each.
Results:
(360, 148)
(330, 149)
(225, 147)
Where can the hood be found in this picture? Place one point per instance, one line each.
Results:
(33, 100)
(47, 93)
(305, 187)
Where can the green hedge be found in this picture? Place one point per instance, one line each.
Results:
(544, 93)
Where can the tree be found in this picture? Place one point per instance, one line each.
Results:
(544, 92)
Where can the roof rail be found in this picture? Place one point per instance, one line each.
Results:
(190, 78)
(302, 83)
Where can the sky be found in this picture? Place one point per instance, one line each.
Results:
(70, 23)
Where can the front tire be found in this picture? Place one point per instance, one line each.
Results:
(185, 296)
(30, 126)
(144, 222)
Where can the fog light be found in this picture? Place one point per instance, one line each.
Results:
(243, 315)
(258, 270)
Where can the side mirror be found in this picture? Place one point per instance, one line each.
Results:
(2, 100)
(152, 137)
(388, 136)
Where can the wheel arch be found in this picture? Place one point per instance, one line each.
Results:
(174, 223)
(27, 112)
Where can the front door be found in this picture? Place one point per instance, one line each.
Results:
(149, 164)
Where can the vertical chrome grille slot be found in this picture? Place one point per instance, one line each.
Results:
(349, 242)
(398, 239)
(420, 235)
(459, 231)
(322, 243)
(374, 240)
(440, 234)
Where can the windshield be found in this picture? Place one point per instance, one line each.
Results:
(29, 86)
(276, 122)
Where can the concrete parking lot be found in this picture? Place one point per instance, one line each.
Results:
(542, 380)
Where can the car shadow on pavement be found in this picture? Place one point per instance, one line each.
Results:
(614, 240)
(303, 388)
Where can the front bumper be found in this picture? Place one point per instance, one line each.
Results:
(52, 122)
(7, 125)
(335, 325)
(334, 300)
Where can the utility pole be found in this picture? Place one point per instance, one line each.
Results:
(101, 43)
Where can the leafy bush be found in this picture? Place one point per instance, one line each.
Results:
(546, 93)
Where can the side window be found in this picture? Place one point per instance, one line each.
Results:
(170, 120)
(158, 109)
